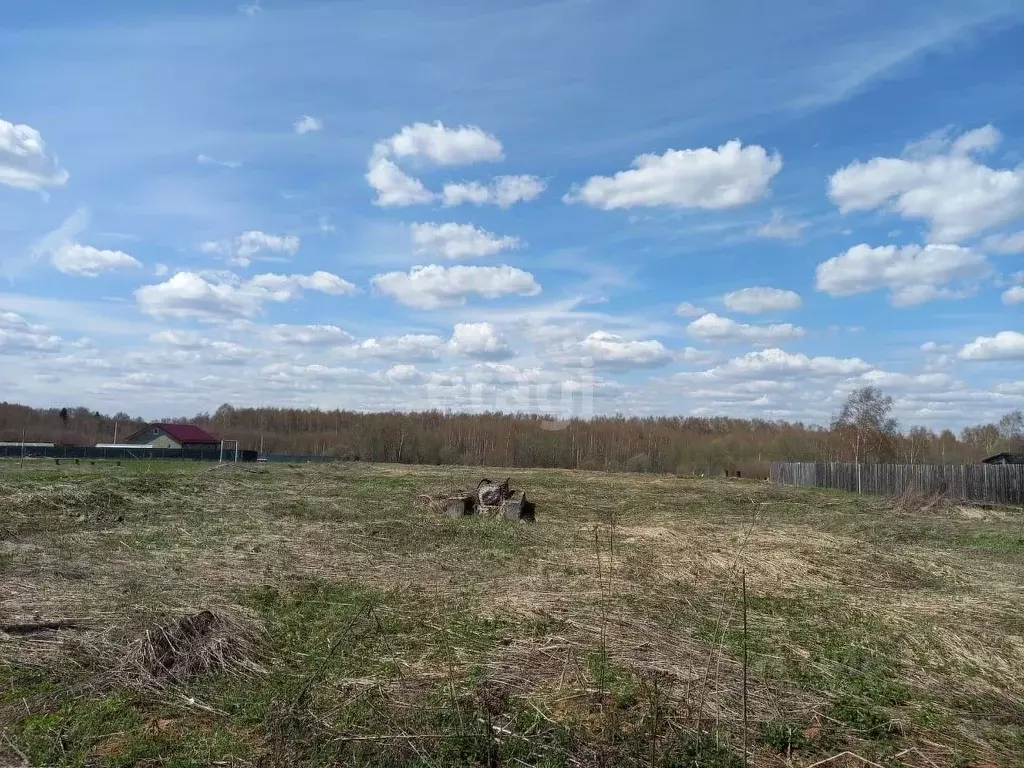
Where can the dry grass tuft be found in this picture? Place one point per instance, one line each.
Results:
(194, 645)
(914, 501)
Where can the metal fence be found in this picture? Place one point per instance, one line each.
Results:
(1000, 484)
(84, 452)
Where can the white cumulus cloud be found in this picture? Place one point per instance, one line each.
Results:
(941, 182)
(189, 295)
(502, 191)
(308, 335)
(1005, 345)
(760, 299)
(707, 178)
(1014, 295)
(246, 246)
(307, 124)
(610, 351)
(777, 362)
(686, 309)
(712, 327)
(418, 347)
(74, 258)
(394, 187)
(1005, 243)
(19, 335)
(913, 274)
(479, 341)
(442, 145)
(25, 162)
(458, 241)
(433, 286)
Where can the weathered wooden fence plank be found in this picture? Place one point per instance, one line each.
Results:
(1000, 484)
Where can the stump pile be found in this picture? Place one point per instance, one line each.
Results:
(492, 499)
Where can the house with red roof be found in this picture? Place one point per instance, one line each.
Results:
(173, 436)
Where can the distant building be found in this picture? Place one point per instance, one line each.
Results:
(19, 444)
(173, 436)
(1005, 458)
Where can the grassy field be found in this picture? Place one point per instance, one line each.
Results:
(353, 625)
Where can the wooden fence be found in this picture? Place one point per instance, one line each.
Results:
(999, 484)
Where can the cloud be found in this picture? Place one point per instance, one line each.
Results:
(71, 257)
(245, 246)
(192, 347)
(887, 380)
(139, 380)
(404, 374)
(433, 286)
(189, 295)
(712, 327)
(756, 300)
(24, 160)
(479, 341)
(458, 241)
(913, 274)
(694, 356)
(76, 259)
(779, 228)
(939, 181)
(412, 346)
(18, 335)
(502, 191)
(287, 287)
(441, 145)
(394, 187)
(706, 178)
(250, 9)
(607, 350)
(1014, 295)
(686, 309)
(207, 160)
(178, 339)
(307, 124)
(1005, 345)
(1004, 243)
(433, 143)
(776, 362)
(308, 335)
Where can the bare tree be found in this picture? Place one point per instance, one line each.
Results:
(1011, 429)
(917, 442)
(866, 423)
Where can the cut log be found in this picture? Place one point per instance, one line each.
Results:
(459, 506)
(519, 509)
(493, 494)
(489, 499)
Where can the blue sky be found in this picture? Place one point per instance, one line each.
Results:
(573, 207)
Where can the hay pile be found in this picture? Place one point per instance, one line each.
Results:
(914, 501)
(195, 645)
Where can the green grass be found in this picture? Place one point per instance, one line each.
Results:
(609, 633)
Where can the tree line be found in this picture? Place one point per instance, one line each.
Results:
(863, 430)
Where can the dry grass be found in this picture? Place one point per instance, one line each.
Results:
(346, 608)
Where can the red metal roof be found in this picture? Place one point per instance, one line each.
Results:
(187, 433)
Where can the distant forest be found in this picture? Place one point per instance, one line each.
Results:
(683, 445)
